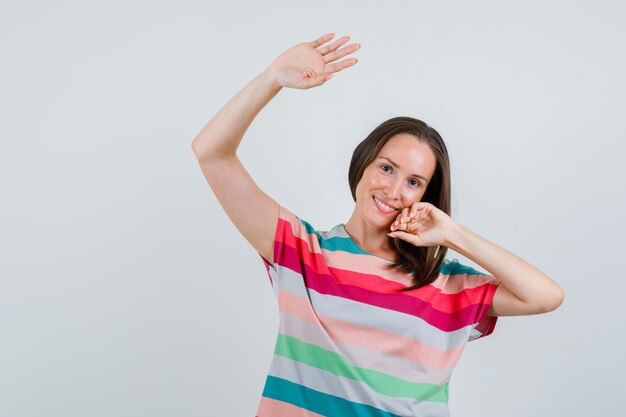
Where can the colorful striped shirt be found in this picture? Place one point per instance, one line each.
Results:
(348, 344)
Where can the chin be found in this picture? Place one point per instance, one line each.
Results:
(383, 223)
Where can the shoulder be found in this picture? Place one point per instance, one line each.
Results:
(296, 222)
(457, 276)
(455, 267)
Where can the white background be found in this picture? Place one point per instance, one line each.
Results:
(125, 290)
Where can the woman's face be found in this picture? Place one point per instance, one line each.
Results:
(397, 177)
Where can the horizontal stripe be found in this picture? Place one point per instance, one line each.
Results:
(371, 316)
(474, 298)
(369, 271)
(318, 402)
(268, 407)
(337, 364)
(485, 323)
(349, 389)
(350, 343)
(299, 320)
(299, 251)
(325, 284)
(446, 302)
(338, 241)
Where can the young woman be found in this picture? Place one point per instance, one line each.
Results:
(373, 318)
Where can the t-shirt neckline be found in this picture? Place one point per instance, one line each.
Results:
(360, 249)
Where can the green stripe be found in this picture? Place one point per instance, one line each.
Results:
(454, 267)
(318, 402)
(386, 384)
(307, 226)
(343, 244)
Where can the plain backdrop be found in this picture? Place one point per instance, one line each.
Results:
(126, 291)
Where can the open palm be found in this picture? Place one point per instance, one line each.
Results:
(307, 65)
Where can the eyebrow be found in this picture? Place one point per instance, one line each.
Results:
(397, 166)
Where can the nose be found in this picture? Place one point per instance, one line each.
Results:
(394, 190)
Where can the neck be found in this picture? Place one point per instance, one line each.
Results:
(369, 237)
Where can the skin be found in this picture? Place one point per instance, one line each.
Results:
(397, 186)
(523, 289)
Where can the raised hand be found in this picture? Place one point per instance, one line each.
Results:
(308, 64)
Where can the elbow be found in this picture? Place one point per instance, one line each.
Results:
(206, 153)
(201, 154)
(195, 148)
(555, 300)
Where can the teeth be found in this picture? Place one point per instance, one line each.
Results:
(383, 205)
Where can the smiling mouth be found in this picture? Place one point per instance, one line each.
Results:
(382, 206)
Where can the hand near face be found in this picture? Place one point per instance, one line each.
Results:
(422, 225)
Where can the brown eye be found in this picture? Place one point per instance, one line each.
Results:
(417, 183)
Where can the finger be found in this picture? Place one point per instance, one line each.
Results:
(399, 224)
(418, 205)
(406, 227)
(341, 65)
(413, 227)
(335, 55)
(404, 215)
(334, 45)
(321, 40)
(398, 219)
(403, 235)
(419, 208)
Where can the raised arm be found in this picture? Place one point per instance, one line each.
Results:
(253, 212)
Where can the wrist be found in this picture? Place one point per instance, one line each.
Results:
(455, 236)
(269, 77)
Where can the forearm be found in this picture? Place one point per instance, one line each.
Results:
(223, 133)
(525, 281)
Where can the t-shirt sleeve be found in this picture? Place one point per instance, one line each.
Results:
(295, 248)
(480, 291)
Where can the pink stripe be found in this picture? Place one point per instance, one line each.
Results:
(369, 337)
(299, 251)
(461, 314)
(367, 264)
(269, 407)
(302, 250)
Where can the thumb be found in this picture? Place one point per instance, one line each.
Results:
(398, 233)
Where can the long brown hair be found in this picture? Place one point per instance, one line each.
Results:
(422, 262)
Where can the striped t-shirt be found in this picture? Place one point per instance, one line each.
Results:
(348, 345)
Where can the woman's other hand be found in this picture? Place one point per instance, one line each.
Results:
(423, 225)
(308, 64)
